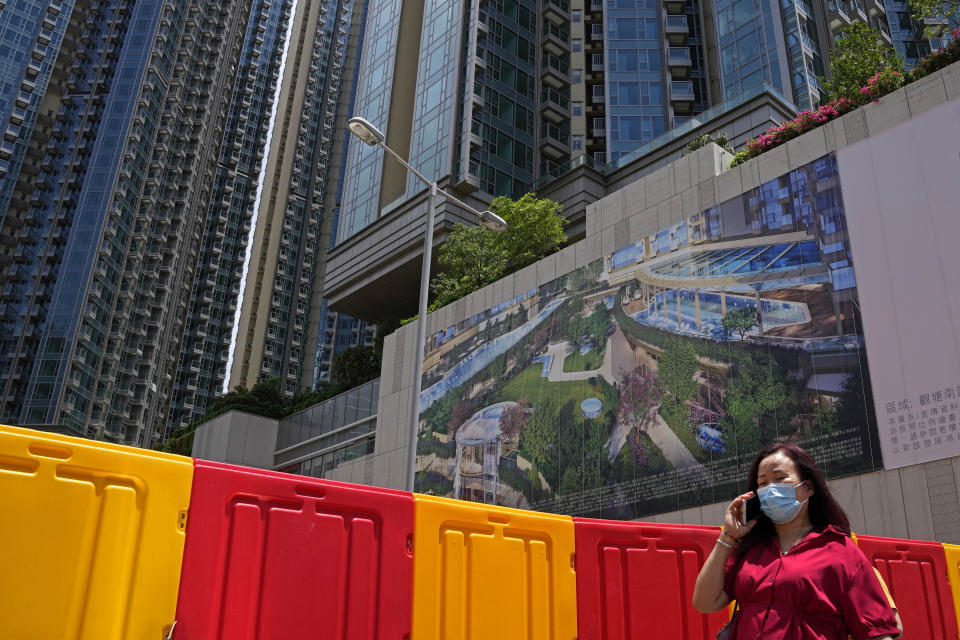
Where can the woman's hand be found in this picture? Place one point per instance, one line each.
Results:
(708, 594)
(733, 517)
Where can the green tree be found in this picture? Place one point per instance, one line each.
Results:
(472, 257)
(701, 141)
(676, 368)
(937, 15)
(857, 54)
(535, 228)
(355, 366)
(740, 319)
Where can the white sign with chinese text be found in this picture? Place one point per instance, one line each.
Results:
(900, 194)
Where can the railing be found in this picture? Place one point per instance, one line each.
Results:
(678, 131)
(677, 23)
(552, 62)
(553, 132)
(682, 89)
(679, 55)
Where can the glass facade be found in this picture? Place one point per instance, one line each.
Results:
(361, 193)
(504, 159)
(637, 108)
(749, 50)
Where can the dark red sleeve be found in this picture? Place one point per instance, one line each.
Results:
(730, 574)
(865, 609)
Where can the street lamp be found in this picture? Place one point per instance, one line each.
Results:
(362, 128)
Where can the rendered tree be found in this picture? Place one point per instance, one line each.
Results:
(515, 418)
(677, 366)
(740, 319)
(858, 53)
(701, 415)
(460, 414)
(539, 439)
(599, 324)
(640, 395)
(637, 450)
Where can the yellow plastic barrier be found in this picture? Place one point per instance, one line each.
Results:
(92, 538)
(481, 571)
(952, 552)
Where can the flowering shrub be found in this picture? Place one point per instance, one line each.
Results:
(882, 83)
(938, 59)
(790, 129)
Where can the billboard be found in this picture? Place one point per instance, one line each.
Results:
(902, 208)
(646, 381)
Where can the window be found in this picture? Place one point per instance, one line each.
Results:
(903, 18)
(577, 109)
(910, 49)
(578, 143)
(576, 45)
(576, 76)
(576, 15)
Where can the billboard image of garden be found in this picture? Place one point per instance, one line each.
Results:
(645, 381)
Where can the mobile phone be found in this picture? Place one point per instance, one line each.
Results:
(751, 509)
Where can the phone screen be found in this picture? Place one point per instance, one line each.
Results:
(751, 509)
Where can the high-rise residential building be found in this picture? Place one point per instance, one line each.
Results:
(254, 313)
(207, 336)
(113, 113)
(497, 97)
(500, 95)
(279, 315)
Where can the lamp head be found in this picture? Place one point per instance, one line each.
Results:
(492, 221)
(362, 128)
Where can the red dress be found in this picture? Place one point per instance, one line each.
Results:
(822, 589)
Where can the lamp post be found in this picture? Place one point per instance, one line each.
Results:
(372, 136)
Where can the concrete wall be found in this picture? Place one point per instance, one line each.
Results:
(237, 437)
(916, 502)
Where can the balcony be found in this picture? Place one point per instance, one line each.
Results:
(556, 11)
(554, 141)
(555, 39)
(679, 63)
(884, 30)
(554, 105)
(674, 6)
(860, 9)
(837, 15)
(682, 96)
(876, 8)
(554, 71)
(677, 30)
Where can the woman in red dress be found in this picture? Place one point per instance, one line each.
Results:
(794, 570)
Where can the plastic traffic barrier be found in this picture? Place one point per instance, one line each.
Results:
(278, 556)
(952, 554)
(482, 571)
(635, 576)
(92, 538)
(916, 573)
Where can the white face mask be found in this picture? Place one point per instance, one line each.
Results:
(778, 501)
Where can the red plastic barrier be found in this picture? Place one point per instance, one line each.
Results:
(276, 556)
(640, 576)
(916, 573)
